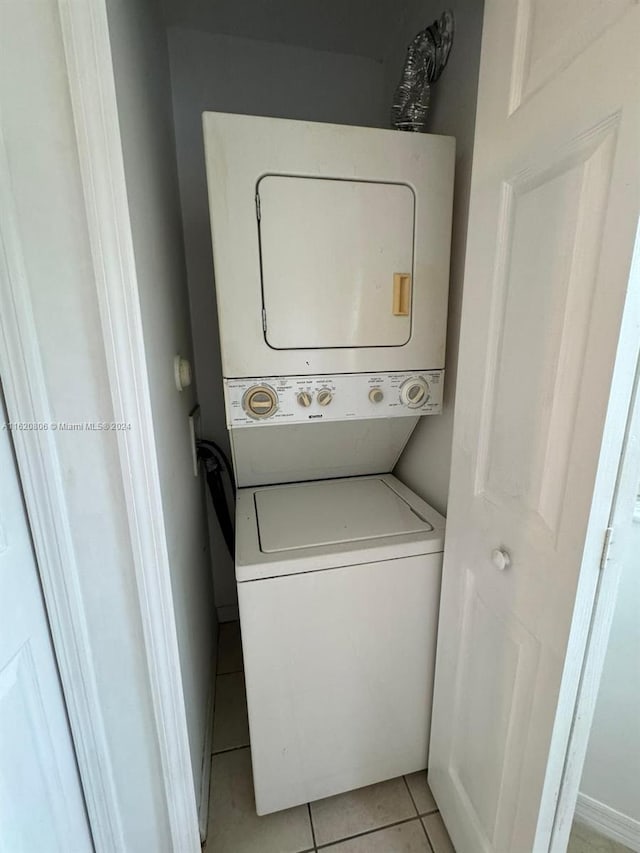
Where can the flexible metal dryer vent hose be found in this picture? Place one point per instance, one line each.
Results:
(427, 56)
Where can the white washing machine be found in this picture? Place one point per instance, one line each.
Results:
(338, 587)
(331, 255)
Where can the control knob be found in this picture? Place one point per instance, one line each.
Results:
(260, 401)
(376, 395)
(414, 393)
(304, 399)
(324, 397)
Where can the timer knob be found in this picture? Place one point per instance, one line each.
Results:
(376, 395)
(324, 396)
(304, 399)
(414, 393)
(260, 401)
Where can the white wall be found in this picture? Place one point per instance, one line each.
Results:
(141, 67)
(212, 72)
(44, 176)
(611, 773)
(425, 463)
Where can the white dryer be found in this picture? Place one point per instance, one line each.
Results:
(338, 587)
(330, 246)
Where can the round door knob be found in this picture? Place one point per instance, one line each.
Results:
(376, 395)
(304, 399)
(500, 558)
(260, 401)
(324, 397)
(414, 392)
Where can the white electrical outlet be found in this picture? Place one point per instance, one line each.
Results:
(194, 435)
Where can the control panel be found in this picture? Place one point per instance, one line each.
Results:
(340, 397)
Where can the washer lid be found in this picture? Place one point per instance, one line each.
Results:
(331, 513)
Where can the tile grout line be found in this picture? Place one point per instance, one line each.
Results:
(204, 844)
(230, 749)
(368, 832)
(420, 814)
(422, 824)
(426, 831)
(426, 834)
(225, 674)
(222, 675)
(404, 779)
(313, 831)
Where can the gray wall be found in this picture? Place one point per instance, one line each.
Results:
(141, 67)
(211, 72)
(425, 463)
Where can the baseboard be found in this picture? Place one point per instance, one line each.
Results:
(608, 822)
(228, 612)
(205, 776)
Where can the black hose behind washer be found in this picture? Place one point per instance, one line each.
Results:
(215, 461)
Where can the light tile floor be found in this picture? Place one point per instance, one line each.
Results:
(396, 816)
(229, 648)
(583, 839)
(230, 721)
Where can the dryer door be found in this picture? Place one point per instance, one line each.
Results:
(337, 262)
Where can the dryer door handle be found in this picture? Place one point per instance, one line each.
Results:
(401, 294)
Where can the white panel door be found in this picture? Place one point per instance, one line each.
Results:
(554, 210)
(337, 262)
(41, 803)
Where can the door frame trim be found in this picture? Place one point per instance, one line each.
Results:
(87, 47)
(21, 370)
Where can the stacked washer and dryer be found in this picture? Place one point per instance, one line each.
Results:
(331, 255)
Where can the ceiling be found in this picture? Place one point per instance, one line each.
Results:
(360, 27)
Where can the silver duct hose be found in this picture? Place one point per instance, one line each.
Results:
(427, 56)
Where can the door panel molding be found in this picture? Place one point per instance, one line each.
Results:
(19, 682)
(522, 660)
(585, 164)
(538, 55)
(41, 478)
